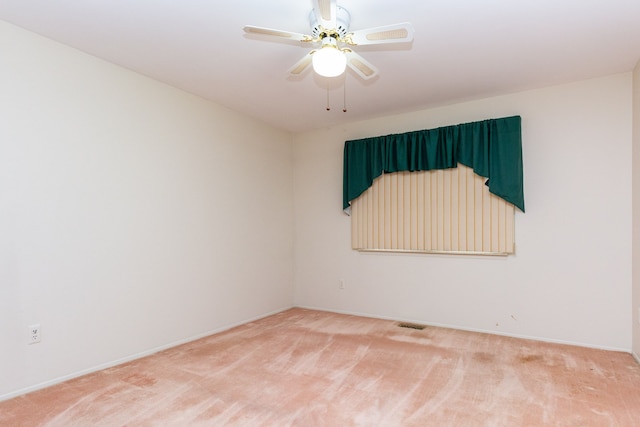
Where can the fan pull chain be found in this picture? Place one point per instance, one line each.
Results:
(344, 95)
(328, 107)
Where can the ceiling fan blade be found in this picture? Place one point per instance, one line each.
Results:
(326, 12)
(277, 33)
(361, 66)
(395, 33)
(299, 67)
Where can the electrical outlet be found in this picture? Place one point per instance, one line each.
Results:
(35, 334)
(341, 284)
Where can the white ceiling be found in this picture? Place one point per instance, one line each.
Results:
(462, 50)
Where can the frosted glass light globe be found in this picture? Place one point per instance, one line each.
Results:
(329, 61)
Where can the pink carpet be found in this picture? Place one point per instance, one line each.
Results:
(311, 368)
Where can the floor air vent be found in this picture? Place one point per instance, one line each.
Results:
(412, 326)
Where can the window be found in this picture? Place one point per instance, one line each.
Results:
(428, 190)
(447, 210)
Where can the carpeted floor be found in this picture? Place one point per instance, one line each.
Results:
(311, 368)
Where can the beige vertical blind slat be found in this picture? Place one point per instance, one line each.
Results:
(471, 211)
(477, 216)
(420, 212)
(446, 211)
(462, 208)
(413, 229)
(406, 222)
(429, 207)
(455, 210)
(432, 211)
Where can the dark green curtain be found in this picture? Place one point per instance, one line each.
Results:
(493, 148)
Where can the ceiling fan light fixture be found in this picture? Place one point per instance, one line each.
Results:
(330, 27)
(329, 61)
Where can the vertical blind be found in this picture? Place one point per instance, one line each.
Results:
(447, 210)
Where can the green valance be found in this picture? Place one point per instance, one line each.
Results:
(493, 148)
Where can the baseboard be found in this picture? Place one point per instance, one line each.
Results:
(483, 331)
(635, 356)
(132, 357)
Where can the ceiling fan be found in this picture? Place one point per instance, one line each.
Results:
(330, 30)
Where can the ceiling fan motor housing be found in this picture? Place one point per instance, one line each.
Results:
(343, 19)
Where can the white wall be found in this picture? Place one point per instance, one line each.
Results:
(570, 280)
(636, 212)
(133, 216)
